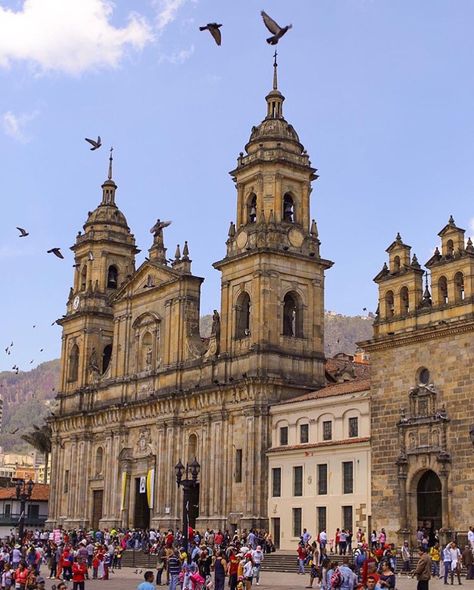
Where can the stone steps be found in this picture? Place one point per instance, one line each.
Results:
(273, 562)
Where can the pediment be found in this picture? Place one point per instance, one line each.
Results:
(149, 276)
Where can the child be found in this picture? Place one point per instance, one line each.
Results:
(95, 566)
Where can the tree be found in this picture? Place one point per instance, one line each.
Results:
(40, 439)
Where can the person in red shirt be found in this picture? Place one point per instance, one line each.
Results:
(20, 575)
(79, 573)
(302, 554)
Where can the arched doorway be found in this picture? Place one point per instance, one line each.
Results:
(428, 500)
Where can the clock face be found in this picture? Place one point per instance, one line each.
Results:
(75, 303)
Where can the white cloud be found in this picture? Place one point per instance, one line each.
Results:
(178, 57)
(167, 11)
(70, 36)
(15, 125)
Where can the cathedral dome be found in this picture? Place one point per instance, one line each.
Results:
(107, 215)
(274, 129)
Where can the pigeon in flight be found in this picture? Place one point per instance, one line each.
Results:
(274, 28)
(23, 232)
(56, 252)
(213, 28)
(95, 144)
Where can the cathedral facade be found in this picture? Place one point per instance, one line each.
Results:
(422, 407)
(141, 389)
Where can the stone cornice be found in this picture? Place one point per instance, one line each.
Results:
(423, 334)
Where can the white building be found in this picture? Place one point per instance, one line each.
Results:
(10, 509)
(319, 463)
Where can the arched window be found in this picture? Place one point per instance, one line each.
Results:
(252, 208)
(396, 264)
(99, 461)
(423, 376)
(106, 356)
(292, 315)
(459, 286)
(450, 248)
(146, 351)
(243, 315)
(443, 290)
(288, 208)
(404, 301)
(389, 307)
(192, 447)
(73, 370)
(84, 278)
(112, 277)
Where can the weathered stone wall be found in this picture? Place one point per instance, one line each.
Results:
(447, 352)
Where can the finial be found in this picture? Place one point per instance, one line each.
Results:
(185, 250)
(451, 220)
(275, 66)
(469, 247)
(415, 262)
(314, 229)
(231, 232)
(110, 163)
(399, 237)
(426, 302)
(177, 254)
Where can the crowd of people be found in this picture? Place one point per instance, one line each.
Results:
(372, 563)
(216, 559)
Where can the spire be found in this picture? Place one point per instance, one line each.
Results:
(111, 159)
(109, 187)
(275, 73)
(275, 98)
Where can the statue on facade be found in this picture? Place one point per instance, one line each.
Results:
(216, 324)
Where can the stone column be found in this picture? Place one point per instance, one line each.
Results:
(446, 516)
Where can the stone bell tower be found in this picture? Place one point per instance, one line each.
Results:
(104, 257)
(273, 275)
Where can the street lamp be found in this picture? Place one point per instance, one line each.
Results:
(23, 493)
(187, 484)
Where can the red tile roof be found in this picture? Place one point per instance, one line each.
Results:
(336, 366)
(40, 493)
(326, 443)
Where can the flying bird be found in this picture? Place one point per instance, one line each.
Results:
(213, 28)
(95, 144)
(274, 28)
(23, 232)
(56, 252)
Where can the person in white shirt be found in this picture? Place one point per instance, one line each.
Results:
(455, 555)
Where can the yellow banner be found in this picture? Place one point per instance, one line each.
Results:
(150, 487)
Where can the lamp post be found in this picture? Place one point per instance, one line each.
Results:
(187, 484)
(23, 493)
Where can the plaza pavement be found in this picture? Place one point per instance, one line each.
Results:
(127, 579)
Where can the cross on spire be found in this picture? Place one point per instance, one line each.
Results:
(110, 163)
(275, 66)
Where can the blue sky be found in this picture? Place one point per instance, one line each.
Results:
(380, 92)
